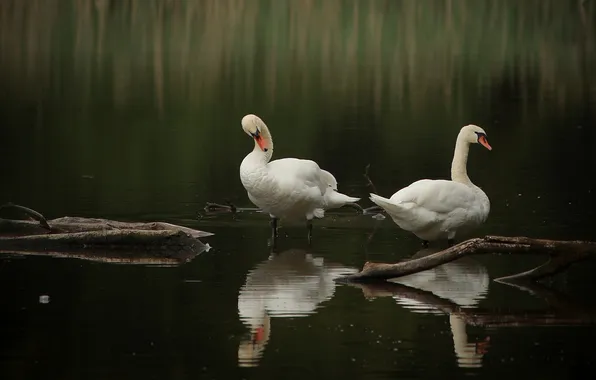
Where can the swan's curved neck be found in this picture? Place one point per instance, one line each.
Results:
(459, 172)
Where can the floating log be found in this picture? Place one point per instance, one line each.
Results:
(99, 239)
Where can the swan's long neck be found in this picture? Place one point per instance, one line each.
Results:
(459, 172)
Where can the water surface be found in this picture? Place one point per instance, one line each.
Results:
(131, 110)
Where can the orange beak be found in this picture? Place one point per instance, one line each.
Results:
(482, 140)
(261, 142)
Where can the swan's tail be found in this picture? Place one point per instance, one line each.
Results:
(333, 199)
(386, 204)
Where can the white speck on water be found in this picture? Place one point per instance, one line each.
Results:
(519, 195)
(44, 299)
(353, 359)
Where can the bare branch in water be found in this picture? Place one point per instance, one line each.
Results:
(562, 255)
(32, 213)
(368, 180)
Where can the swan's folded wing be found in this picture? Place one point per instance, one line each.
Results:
(440, 196)
(296, 173)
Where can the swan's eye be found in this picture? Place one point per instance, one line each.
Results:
(256, 134)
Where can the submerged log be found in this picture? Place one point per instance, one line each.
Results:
(99, 239)
(562, 255)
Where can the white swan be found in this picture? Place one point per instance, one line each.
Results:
(438, 209)
(287, 188)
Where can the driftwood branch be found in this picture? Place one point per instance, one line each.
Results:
(562, 254)
(100, 239)
(32, 213)
(369, 182)
(212, 208)
(69, 224)
(130, 246)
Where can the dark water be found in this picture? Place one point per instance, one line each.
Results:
(131, 110)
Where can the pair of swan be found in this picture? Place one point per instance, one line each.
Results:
(292, 188)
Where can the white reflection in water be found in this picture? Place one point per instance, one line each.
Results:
(290, 284)
(464, 282)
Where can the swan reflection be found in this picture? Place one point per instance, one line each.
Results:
(291, 284)
(464, 282)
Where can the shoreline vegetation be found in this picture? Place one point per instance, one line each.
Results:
(399, 51)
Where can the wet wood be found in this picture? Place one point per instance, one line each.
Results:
(80, 236)
(163, 258)
(562, 255)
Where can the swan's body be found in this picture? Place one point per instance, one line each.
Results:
(438, 209)
(287, 188)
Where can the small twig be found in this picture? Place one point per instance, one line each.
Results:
(370, 183)
(210, 207)
(32, 213)
(231, 205)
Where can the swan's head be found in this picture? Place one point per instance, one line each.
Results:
(474, 135)
(256, 128)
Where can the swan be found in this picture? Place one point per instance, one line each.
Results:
(287, 188)
(438, 209)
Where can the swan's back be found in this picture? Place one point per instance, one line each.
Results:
(439, 196)
(435, 208)
(296, 173)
